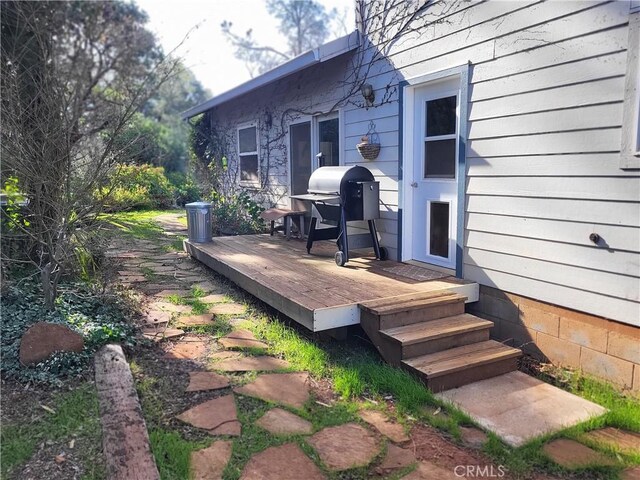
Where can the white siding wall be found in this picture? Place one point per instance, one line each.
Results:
(544, 135)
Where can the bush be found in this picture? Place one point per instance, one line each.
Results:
(137, 187)
(185, 188)
(100, 319)
(236, 214)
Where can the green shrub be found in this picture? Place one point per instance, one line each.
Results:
(99, 318)
(185, 188)
(236, 214)
(137, 187)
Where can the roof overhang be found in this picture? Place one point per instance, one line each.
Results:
(312, 57)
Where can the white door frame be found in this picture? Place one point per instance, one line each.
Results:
(302, 119)
(406, 173)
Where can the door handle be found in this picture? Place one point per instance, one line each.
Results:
(414, 184)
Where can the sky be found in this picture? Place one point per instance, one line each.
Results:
(192, 27)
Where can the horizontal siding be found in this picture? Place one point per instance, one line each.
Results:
(614, 238)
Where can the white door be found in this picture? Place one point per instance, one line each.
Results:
(434, 184)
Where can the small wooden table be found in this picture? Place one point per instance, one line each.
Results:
(273, 214)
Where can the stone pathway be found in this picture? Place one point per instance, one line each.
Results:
(215, 382)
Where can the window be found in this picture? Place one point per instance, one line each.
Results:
(630, 148)
(248, 155)
(329, 142)
(440, 138)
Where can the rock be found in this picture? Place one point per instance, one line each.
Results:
(394, 431)
(209, 463)
(286, 462)
(247, 364)
(241, 339)
(473, 437)
(281, 422)
(218, 416)
(43, 339)
(396, 458)
(228, 309)
(170, 293)
(170, 307)
(346, 446)
(631, 473)
(571, 454)
(199, 381)
(213, 298)
(289, 389)
(204, 286)
(154, 317)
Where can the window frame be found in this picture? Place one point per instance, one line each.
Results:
(630, 146)
(248, 183)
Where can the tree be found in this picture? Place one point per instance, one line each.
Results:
(305, 24)
(73, 75)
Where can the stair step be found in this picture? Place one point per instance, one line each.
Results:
(461, 365)
(436, 329)
(403, 303)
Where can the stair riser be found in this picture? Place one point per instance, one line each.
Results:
(445, 343)
(423, 315)
(388, 350)
(469, 375)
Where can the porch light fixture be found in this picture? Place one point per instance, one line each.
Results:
(367, 93)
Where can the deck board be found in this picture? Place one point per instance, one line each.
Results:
(306, 286)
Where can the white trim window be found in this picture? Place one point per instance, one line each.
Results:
(248, 157)
(630, 148)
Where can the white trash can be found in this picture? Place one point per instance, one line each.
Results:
(199, 222)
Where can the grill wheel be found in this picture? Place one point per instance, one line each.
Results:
(340, 259)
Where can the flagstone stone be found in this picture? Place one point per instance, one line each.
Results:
(213, 298)
(209, 463)
(245, 364)
(286, 462)
(430, 471)
(218, 416)
(396, 458)
(195, 320)
(170, 307)
(169, 293)
(632, 473)
(159, 334)
(132, 279)
(473, 437)
(163, 268)
(571, 454)
(129, 273)
(394, 431)
(199, 381)
(188, 347)
(282, 422)
(345, 446)
(289, 389)
(156, 317)
(225, 355)
(615, 437)
(228, 309)
(241, 339)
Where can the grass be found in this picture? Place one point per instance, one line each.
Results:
(76, 416)
(172, 453)
(138, 224)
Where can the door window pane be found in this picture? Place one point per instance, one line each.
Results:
(440, 158)
(439, 229)
(300, 140)
(328, 135)
(441, 116)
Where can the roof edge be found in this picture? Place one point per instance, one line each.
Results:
(321, 54)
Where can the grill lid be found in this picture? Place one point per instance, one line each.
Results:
(331, 180)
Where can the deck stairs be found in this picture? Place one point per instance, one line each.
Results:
(430, 335)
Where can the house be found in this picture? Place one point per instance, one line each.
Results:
(510, 156)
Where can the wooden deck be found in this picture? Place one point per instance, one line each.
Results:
(312, 289)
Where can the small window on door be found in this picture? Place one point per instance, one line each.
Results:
(440, 138)
(248, 155)
(439, 229)
(328, 142)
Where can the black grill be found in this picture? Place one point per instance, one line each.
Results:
(340, 195)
